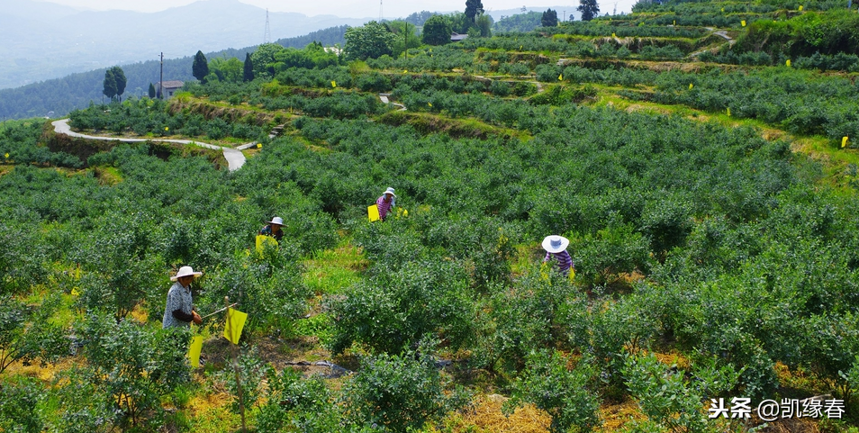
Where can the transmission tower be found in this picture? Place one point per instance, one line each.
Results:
(267, 36)
(380, 10)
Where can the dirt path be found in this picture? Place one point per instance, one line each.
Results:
(235, 158)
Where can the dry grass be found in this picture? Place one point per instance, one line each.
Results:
(485, 416)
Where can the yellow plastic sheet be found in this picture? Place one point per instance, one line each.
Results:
(373, 213)
(235, 322)
(195, 349)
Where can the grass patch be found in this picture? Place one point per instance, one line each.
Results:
(332, 271)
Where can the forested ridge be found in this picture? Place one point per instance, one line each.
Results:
(706, 181)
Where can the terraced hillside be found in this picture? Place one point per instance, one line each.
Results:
(699, 157)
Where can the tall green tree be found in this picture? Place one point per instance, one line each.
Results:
(473, 8)
(437, 30)
(114, 82)
(151, 91)
(589, 9)
(484, 25)
(200, 68)
(373, 40)
(549, 19)
(248, 74)
(263, 59)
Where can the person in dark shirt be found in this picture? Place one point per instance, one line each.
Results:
(273, 229)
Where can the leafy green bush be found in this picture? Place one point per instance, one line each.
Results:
(566, 394)
(295, 403)
(399, 393)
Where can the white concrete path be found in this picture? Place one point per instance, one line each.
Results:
(235, 158)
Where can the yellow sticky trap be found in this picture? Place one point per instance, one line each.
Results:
(691, 86)
(76, 293)
(729, 111)
(743, 22)
(787, 63)
(800, 8)
(195, 349)
(430, 104)
(613, 35)
(166, 128)
(405, 71)
(674, 23)
(263, 240)
(572, 274)
(6, 156)
(723, 9)
(520, 48)
(844, 142)
(235, 322)
(333, 83)
(561, 77)
(259, 145)
(373, 213)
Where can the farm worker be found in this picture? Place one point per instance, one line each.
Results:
(386, 202)
(179, 311)
(273, 229)
(556, 247)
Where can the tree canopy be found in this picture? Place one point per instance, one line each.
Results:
(437, 30)
(549, 19)
(200, 68)
(372, 40)
(473, 8)
(589, 9)
(248, 73)
(114, 82)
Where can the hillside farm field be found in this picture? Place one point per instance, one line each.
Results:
(710, 201)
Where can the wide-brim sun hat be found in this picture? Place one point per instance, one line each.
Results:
(389, 191)
(185, 271)
(276, 220)
(555, 244)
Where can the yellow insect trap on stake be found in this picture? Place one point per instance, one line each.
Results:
(233, 328)
(373, 213)
(333, 84)
(194, 350)
(743, 22)
(787, 63)
(691, 86)
(729, 111)
(800, 8)
(844, 142)
(561, 77)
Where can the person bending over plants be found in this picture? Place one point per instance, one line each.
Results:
(179, 311)
(556, 248)
(386, 202)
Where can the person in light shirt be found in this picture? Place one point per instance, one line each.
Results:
(179, 311)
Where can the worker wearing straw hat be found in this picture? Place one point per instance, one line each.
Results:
(273, 229)
(386, 202)
(556, 248)
(179, 311)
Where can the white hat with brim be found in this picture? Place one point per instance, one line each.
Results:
(389, 191)
(276, 220)
(555, 244)
(185, 271)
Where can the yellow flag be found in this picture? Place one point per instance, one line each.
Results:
(561, 77)
(333, 83)
(195, 349)
(787, 63)
(743, 22)
(235, 322)
(262, 240)
(800, 8)
(373, 213)
(691, 86)
(844, 141)
(729, 111)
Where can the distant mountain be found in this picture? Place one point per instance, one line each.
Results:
(44, 40)
(62, 95)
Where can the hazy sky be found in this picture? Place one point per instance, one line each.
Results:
(342, 8)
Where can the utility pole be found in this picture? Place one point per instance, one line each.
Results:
(161, 83)
(267, 36)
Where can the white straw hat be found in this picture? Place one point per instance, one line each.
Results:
(276, 220)
(185, 271)
(555, 244)
(389, 191)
